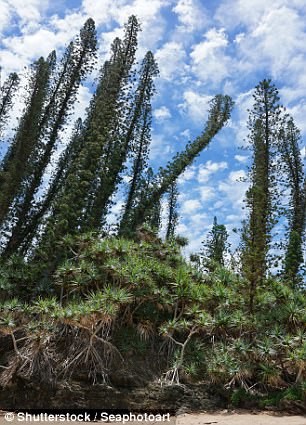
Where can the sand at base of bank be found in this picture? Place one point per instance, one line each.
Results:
(240, 419)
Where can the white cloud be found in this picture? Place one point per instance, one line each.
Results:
(171, 60)
(209, 61)
(29, 11)
(298, 112)
(207, 193)
(30, 46)
(232, 218)
(243, 103)
(239, 37)
(147, 12)
(102, 12)
(160, 147)
(40, 40)
(191, 14)
(271, 42)
(182, 229)
(186, 133)
(273, 35)
(70, 24)
(188, 174)
(10, 62)
(189, 206)
(234, 191)
(218, 204)
(241, 158)
(208, 169)
(195, 105)
(162, 113)
(249, 12)
(199, 221)
(237, 175)
(5, 15)
(108, 12)
(83, 99)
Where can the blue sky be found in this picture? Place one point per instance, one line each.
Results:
(202, 48)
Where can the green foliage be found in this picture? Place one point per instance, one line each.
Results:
(132, 298)
(172, 211)
(293, 176)
(261, 197)
(7, 92)
(53, 89)
(215, 246)
(219, 113)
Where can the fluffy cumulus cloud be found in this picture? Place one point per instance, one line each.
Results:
(171, 60)
(275, 46)
(234, 190)
(190, 206)
(4, 15)
(207, 193)
(210, 63)
(191, 14)
(249, 13)
(189, 174)
(241, 158)
(239, 175)
(195, 105)
(21, 20)
(207, 170)
(118, 10)
(29, 12)
(110, 14)
(273, 35)
(30, 46)
(103, 12)
(162, 113)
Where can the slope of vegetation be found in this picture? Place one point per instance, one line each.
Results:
(114, 302)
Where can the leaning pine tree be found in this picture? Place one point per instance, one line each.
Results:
(35, 219)
(219, 113)
(7, 91)
(141, 139)
(72, 206)
(132, 133)
(15, 165)
(76, 63)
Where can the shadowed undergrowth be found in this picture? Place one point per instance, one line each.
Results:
(115, 303)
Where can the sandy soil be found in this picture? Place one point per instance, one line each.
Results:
(220, 418)
(240, 419)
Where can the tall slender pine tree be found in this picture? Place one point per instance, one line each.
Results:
(99, 129)
(76, 63)
(16, 163)
(7, 91)
(172, 218)
(292, 171)
(136, 127)
(264, 122)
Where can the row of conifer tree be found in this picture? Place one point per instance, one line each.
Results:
(36, 212)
